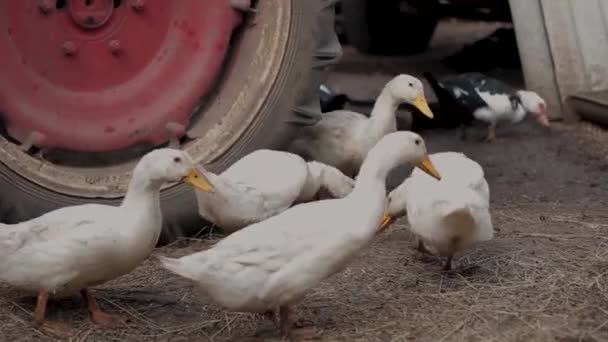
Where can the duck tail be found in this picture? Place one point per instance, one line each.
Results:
(330, 178)
(460, 219)
(176, 266)
(444, 97)
(455, 111)
(434, 83)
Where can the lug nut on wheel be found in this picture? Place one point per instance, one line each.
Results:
(138, 5)
(69, 48)
(114, 46)
(44, 6)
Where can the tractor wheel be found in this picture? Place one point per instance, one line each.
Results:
(85, 93)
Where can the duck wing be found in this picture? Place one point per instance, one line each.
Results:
(452, 108)
(275, 175)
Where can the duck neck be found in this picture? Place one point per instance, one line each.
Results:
(370, 186)
(519, 114)
(520, 111)
(382, 118)
(142, 212)
(373, 173)
(369, 193)
(142, 192)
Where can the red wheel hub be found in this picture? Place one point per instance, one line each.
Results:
(101, 75)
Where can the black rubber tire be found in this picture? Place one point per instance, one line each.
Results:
(378, 27)
(312, 48)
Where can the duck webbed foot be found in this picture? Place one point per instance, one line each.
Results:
(100, 317)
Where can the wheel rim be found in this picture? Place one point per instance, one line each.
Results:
(218, 124)
(119, 73)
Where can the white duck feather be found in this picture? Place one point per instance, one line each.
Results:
(274, 262)
(451, 214)
(264, 183)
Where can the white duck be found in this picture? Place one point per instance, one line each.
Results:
(73, 248)
(264, 183)
(273, 263)
(451, 214)
(342, 138)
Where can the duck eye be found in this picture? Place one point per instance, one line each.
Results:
(411, 84)
(417, 141)
(177, 159)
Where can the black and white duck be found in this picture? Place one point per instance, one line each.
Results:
(472, 96)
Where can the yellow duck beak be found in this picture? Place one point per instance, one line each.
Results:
(423, 106)
(427, 166)
(198, 180)
(386, 222)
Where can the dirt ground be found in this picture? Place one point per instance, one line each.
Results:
(543, 278)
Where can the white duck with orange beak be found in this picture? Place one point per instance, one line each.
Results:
(71, 249)
(450, 214)
(265, 183)
(343, 138)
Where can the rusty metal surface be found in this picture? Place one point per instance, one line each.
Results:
(98, 76)
(248, 77)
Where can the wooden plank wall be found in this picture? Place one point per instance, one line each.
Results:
(563, 46)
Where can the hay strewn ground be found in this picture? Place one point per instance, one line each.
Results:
(544, 277)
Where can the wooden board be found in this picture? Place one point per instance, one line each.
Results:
(564, 47)
(592, 106)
